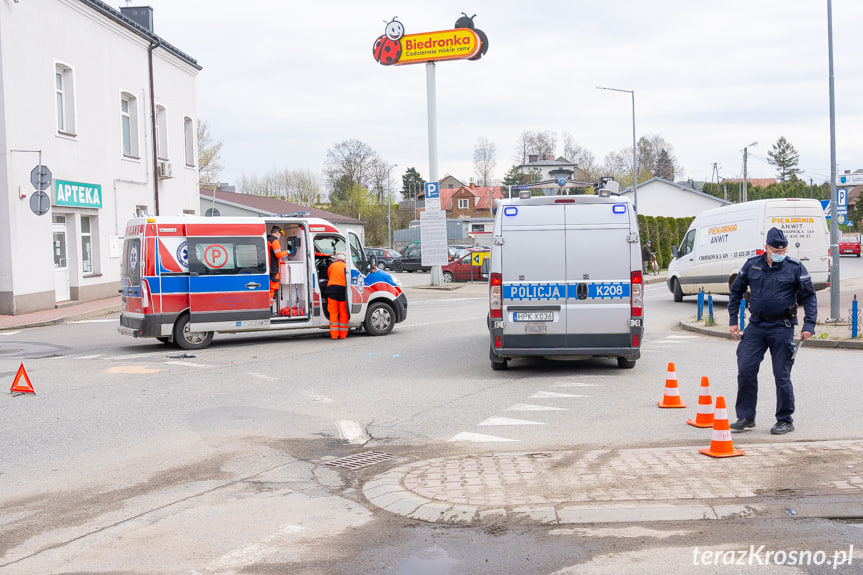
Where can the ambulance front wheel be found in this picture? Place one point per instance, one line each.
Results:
(185, 338)
(380, 319)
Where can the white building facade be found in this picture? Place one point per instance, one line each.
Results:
(659, 197)
(108, 108)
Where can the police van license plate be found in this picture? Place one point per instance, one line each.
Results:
(533, 316)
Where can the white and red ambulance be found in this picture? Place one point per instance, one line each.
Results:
(184, 278)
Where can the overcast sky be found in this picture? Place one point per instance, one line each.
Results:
(284, 81)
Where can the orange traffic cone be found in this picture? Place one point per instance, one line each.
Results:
(704, 417)
(720, 444)
(672, 393)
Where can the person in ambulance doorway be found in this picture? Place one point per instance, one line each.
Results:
(337, 296)
(777, 283)
(276, 255)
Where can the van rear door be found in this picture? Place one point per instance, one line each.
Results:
(228, 278)
(803, 223)
(534, 292)
(598, 272)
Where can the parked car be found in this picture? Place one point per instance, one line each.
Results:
(849, 245)
(466, 268)
(411, 258)
(383, 256)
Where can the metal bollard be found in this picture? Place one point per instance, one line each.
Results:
(700, 304)
(710, 320)
(855, 317)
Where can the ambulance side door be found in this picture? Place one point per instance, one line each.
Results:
(228, 283)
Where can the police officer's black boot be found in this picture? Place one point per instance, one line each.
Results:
(742, 424)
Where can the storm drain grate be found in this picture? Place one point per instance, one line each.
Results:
(360, 460)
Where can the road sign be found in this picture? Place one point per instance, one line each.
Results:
(40, 203)
(478, 257)
(841, 198)
(432, 190)
(825, 205)
(40, 177)
(849, 180)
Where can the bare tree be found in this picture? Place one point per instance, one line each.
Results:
(545, 143)
(348, 163)
(208, 155)
(484, 161)
(581, 157)
(523, 148)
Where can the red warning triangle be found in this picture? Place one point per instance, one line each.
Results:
(25, 387)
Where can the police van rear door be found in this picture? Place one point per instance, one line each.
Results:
(598, 274)
(533, 274)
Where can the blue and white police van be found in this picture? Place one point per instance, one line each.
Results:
(565, 279)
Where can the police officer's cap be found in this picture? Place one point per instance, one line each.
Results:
(776, 239)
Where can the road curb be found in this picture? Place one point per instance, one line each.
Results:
(811, 342)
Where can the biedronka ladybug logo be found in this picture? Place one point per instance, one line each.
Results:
(465, 42)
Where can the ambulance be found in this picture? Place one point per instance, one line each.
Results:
(565, 279)
(184, 278)
(719, 241)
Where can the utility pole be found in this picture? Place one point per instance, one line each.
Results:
(745, 195)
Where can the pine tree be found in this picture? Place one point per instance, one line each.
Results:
(784, 157)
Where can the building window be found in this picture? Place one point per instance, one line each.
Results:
(142, 211)
(129, 122)
(189, 131)
(64, 93)
(87, 255)
(464, 203)
(477, 227)
(161, 133)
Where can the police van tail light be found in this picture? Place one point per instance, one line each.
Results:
(636, 300)
(495, 299)
(145, 295)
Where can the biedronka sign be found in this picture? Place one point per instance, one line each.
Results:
(465, 42)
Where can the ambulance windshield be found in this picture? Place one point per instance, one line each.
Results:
(329, 245)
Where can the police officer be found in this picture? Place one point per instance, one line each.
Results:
(777, 283)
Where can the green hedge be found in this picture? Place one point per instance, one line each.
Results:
(664, 233)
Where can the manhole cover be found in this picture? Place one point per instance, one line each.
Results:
(359, 460)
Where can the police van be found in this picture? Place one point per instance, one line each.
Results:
(185, 278)
(565, 279)
(720, 240)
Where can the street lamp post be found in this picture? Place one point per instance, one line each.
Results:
(744, 197)
(634, 149)
(389, 210)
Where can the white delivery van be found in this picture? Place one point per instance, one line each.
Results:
(720, 240)
(565, 279)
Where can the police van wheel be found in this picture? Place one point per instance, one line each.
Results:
(497, 363)
(185, 338)
(624, 363)
(678, 293)
(380, 319)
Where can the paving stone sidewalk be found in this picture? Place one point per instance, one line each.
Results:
(601, 485)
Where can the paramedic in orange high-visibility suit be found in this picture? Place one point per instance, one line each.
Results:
(337, 297)
(276, 255)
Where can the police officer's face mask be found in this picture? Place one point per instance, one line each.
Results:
(775, 255)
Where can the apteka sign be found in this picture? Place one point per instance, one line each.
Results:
(465, 42)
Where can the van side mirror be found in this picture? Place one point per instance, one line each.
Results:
(373, 260)
(674, 251)
(484, 272)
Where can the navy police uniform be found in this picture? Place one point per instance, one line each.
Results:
(776, 290)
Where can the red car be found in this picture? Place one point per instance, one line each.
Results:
(849, 245)
(466, 268)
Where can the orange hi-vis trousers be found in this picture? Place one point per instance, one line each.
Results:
(338, 311)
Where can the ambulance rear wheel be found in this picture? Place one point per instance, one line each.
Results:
(380, 319)
(678, 293)
(185, 338)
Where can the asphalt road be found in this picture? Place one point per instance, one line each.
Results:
(133, 457)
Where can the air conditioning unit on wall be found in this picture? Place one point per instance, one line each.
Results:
(164, 170)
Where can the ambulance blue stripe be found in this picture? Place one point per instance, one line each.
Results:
(209, 284)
